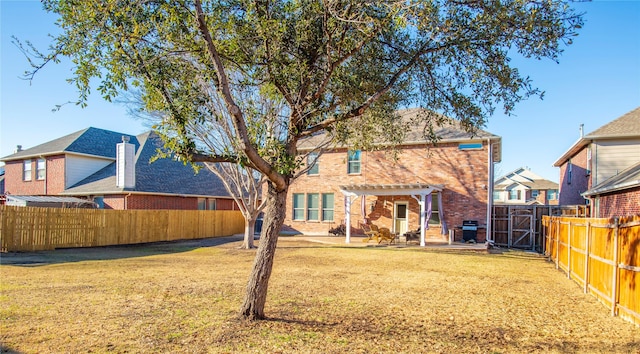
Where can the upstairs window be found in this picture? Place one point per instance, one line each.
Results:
(514, 194)
(26, 170)
(552, 194)
(535, 193)
(353, 166)
(41, 169)
(202, 204)
(312, 161)
(470, 146)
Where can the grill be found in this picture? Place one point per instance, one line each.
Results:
(469, 230)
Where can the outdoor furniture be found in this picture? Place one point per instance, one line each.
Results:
(385, 234)
(371, 231)
(339, 230)
(412, 236)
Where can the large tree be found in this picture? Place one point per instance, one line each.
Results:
(341, 66)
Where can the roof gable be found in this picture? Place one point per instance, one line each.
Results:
(90, 141)
(163, 176)
(625, 126)
(450, 131)
(524, 177)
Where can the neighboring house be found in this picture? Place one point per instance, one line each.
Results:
(437, 185)
(597, 157)
(86, 165)
(522, 186)
(617, 196)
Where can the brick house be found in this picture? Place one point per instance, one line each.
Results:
(435, 185)
(523, 187)
(114, 171)
(597, 157)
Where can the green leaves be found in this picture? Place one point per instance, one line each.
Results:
(294, 68)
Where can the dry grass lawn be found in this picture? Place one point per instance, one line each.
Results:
(181, 297)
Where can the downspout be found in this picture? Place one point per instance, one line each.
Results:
(126, 198)
(489, 190)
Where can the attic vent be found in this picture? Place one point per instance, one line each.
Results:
(125, 164)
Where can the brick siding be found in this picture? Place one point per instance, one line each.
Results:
(463, 174)
(156, 202)
(623, 203)
(580, 181)
(226, 204)
(53, 183)
(143, 201)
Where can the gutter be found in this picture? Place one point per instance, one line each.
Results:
(589, 139)
(53, 153)
(144, 193)
(613, 188)
(409, 143)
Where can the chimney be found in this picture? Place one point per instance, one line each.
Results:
(581, 131)
(18, 149)
(125, 164)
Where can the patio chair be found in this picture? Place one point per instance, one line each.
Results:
(371, 231)
(412, 236)
(386, 235)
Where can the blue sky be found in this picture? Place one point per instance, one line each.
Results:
(596, 81)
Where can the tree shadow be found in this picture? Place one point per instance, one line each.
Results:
(70, 255)
(5, 349)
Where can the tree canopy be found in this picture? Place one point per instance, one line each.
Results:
(277, 71)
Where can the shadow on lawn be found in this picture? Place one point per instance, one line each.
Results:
(68, 255)
(4, 349)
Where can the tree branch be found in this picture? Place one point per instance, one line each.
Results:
(238, 118)
(358, 111)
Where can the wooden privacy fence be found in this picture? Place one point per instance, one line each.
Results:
(602, 255)
(520, 226)
(37, 229)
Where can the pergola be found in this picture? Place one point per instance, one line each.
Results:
(419, 191)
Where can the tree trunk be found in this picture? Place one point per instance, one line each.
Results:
(249, 229)
(256, 293)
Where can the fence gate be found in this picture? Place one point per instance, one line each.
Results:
(515, 226)
(521, 230)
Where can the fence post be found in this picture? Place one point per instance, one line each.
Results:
(569, 250)
(614, 281)
(557, 236)
(586, 258)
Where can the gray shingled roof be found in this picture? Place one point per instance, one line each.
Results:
(449, 131)
(628, 178)
(626, 125)
(163, 176)
(541, 184)
(90, 141)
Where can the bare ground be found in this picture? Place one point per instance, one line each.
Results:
(184, 297)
